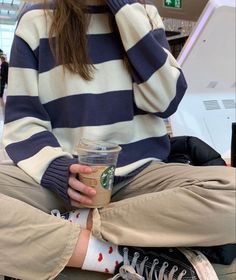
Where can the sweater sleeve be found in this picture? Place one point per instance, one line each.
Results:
(159, 84)
(28, 135)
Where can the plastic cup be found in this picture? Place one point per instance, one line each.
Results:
(102, 156)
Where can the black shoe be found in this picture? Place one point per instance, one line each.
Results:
(164, 264)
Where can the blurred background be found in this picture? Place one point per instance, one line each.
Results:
(179, 16)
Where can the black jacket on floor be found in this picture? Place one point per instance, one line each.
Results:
(192, 150)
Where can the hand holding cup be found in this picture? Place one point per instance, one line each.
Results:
(79, 193)
(101, 157)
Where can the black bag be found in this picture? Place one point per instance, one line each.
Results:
(192, 150)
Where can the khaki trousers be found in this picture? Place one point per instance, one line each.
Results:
(165, 205)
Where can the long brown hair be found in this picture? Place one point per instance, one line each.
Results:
(67, 36)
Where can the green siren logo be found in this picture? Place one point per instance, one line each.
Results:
(107, 177)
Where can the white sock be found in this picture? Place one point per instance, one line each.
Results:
(101, 256)
(79, 216)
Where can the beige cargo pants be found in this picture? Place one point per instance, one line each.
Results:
(165, 205)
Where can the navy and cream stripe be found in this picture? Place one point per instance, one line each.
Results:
(48, 109)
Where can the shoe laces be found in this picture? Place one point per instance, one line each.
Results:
(56, 213)
(144, 271)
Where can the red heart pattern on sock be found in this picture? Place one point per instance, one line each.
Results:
(100, 257)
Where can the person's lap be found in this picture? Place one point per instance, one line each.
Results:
(224, 272)
(17, 184)
(45, 200)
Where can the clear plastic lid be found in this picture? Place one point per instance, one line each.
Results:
(97, 146)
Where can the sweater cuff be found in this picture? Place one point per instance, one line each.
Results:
(56, 176)
(116, 5)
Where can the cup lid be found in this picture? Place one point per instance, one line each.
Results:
(97, 146)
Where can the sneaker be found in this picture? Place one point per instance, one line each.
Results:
(164, 264)
(70, 216)
(78, 216)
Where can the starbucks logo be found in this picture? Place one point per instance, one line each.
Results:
(107, 177)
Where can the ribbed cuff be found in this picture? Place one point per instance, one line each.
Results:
(56, 176)
(116, 5)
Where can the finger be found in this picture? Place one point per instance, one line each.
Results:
(79, 168)
(78, 197)
(76, 204)
(75, 184)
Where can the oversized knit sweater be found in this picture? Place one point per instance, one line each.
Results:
(48, 109)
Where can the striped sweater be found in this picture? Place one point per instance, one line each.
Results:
(48, 109)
